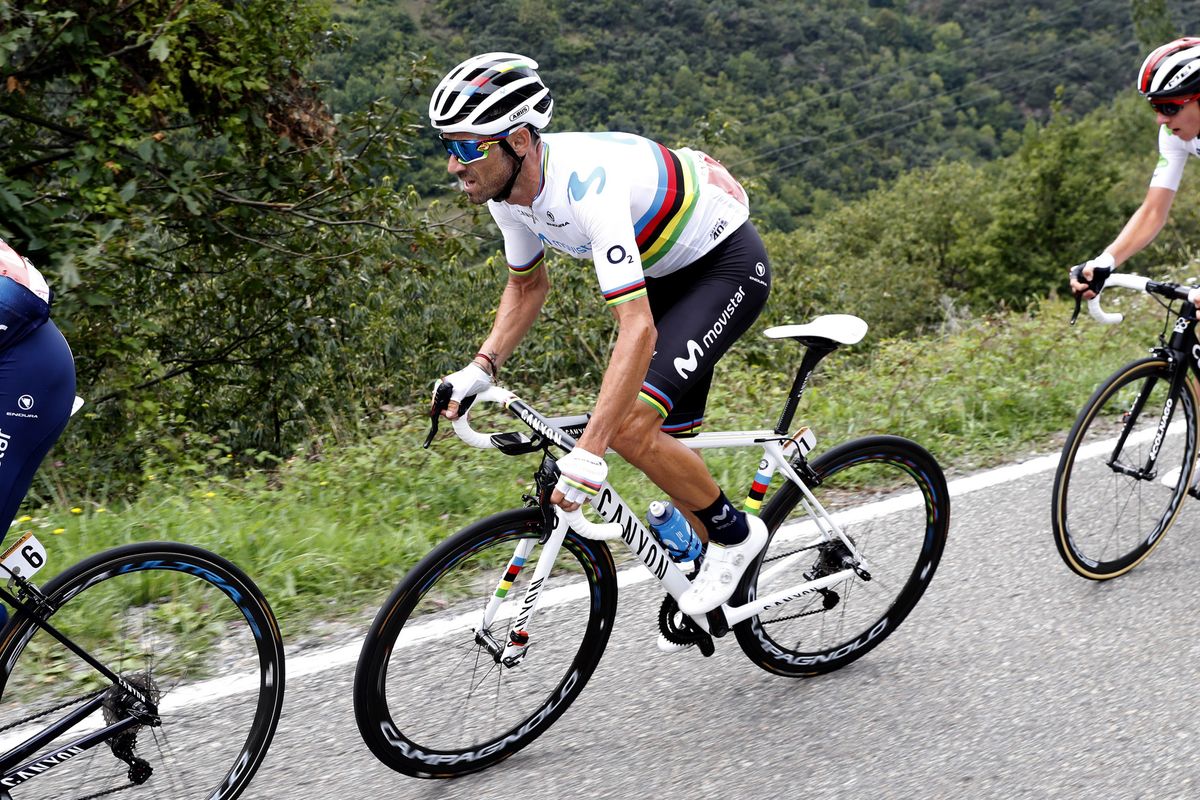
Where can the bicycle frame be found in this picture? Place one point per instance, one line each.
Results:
(1183, 352)
(17, 765)
(779, 453)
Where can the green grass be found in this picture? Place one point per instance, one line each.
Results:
(325, 537)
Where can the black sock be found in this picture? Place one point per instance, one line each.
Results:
(726, 525)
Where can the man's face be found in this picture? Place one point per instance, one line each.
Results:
(484, 178)
(1185, 123)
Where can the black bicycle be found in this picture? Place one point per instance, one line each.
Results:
(151, 669)
(1128, 461)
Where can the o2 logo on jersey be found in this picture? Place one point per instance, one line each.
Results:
(617, 255)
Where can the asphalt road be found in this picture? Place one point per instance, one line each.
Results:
(1013, 678)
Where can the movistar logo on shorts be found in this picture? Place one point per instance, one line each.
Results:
(686, 366)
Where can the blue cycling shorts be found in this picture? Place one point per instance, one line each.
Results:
(37, 389)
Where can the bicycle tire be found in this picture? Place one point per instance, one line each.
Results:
(135, 609)
(400, 718)
(878, 488)
(1111, 523)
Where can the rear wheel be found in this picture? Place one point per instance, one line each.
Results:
(179, 625)
(889, 496)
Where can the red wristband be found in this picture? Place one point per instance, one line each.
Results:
(491, 363)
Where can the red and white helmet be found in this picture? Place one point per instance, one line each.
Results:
(1171, 70)
(491, 94)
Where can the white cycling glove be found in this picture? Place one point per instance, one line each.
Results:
(467, 382)
(581, 474)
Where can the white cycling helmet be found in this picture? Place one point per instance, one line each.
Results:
(1172, 70)
(491, 94)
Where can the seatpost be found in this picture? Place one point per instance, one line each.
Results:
(812, 357)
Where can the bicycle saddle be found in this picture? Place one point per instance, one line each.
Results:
(833, 328)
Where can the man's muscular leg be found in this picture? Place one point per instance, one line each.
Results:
(677, 470)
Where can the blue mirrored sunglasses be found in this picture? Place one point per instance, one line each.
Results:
(469, 150)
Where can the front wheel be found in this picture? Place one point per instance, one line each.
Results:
(182, 626)
(889, 496)
(1111, 504)
(431, 698)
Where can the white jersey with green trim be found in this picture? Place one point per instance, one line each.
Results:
(636, 208)
(1173, 154)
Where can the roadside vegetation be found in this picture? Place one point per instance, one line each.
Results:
(326, 533)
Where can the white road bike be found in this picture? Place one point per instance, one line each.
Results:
(454, 675)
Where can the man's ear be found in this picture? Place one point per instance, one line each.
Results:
(521, 141)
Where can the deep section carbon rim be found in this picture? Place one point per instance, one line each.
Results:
(183, 626)
(889, 496)
(430, 698)
(1109, 510)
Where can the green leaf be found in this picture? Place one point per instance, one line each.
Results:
(160, 49)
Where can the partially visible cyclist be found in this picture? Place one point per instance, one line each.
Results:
(37, 379)
(678, 263)
(1170, 80)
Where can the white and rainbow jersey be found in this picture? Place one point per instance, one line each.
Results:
(1173, 154)
(634, 207)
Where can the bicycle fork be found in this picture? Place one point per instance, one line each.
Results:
(515, 645)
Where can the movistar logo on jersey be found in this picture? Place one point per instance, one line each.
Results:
(579, 251)
(579, 188)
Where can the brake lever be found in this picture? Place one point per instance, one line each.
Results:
(1095, 284)
(441, 399)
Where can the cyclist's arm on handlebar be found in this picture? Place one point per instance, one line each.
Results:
(1141, 229)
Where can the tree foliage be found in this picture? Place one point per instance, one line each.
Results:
(217, 239)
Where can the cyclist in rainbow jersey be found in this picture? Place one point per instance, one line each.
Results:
(677, 261)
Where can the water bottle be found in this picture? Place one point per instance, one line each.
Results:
(673, 530)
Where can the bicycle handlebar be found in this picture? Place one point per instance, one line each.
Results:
(462, 426)
(1123, 280)
(605, 531)
(1138, 283)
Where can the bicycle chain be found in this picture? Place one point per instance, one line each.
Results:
(52, 709)
(802, 613)
(60, 707)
